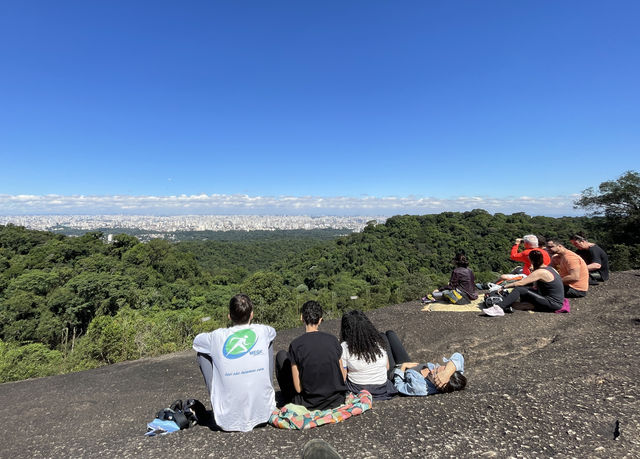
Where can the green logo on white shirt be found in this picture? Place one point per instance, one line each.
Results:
(239, 343)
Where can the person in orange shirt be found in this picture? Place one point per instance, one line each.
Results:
(572, 269)
(530, 243)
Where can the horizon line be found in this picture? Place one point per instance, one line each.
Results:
(244, 204)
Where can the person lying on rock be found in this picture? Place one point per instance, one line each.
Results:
(419, 379)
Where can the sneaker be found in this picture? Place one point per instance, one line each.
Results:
(508, 310)
(493, 287)
(494, 311)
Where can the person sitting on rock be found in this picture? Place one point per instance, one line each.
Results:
(237, 364)
(596, 259)
(461, 288)
(530, 243)
(547, 293)
(310, 373)
(542, 244)
(419, 379)
(572, 269)
(364, 357)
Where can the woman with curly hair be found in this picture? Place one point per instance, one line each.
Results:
(364, 357)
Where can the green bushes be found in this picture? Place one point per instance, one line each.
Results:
(29, 361)
(132, 334)
(128, 335)
(623, 257)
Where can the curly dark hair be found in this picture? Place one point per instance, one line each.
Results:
(461, 260)
(363, 339)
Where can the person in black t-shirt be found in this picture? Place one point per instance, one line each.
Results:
(596, 259)
(310, 373)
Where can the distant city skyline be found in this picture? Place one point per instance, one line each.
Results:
(332, 107)
(171, 224)
(281, 205)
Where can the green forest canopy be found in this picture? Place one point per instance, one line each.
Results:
(69, 303)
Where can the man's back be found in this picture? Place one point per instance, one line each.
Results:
(242, 394)
(317, 356)
(595, 254)
(569, 261)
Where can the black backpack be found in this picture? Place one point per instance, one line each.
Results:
(492, 298)
(184, 413)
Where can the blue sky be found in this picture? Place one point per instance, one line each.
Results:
(299, 102)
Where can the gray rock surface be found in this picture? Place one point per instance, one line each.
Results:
(540, 385)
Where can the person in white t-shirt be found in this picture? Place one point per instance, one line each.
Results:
(237, 364)
(364, 357)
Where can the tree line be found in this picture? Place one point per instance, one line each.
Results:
(71, 303)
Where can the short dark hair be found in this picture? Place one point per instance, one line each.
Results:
(579, 237)
(311, 312)
(458, 381)
(240, 308)
(556, 241)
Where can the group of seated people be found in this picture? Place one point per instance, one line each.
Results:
(550, 273)
(554, 272)
(317, 371)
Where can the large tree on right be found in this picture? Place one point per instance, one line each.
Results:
(618, 201)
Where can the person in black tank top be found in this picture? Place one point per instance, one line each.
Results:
(547, 293)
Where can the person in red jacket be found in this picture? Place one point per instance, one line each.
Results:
(530, 243)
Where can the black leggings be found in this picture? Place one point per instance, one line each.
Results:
(395, 351)
(284, 376)
(530, 296)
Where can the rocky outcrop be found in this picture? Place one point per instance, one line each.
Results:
(540, 385)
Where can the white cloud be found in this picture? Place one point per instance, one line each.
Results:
(264, 205)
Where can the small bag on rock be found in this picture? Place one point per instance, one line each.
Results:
(492, 299)
(180, 415)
